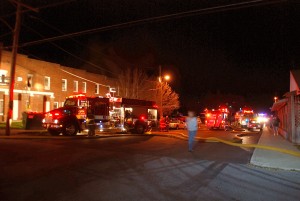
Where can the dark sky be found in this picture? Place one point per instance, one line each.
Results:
(247, 52)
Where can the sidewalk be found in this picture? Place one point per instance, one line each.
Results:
(273, 159)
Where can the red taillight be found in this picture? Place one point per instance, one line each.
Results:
(56, 114)
(142, 117)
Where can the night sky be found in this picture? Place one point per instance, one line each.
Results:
(247, 51)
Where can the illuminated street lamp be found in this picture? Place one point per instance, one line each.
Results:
(275, 99)
(161, 79)
(167, 77)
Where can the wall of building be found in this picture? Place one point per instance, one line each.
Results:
(39, 84)
(293, 84)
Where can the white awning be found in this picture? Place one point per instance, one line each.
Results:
(279, 104)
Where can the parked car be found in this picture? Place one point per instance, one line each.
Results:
(177, 124)
(254, 124)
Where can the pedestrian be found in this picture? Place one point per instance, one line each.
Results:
(276, 122)
(192, 126)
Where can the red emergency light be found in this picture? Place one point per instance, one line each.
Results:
(77, 96)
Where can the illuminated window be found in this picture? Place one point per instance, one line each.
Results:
(1, 107)
(27, 104)
(83, 87)
(29, 80)
(55, 105)
(3, 74)
(75, 86)
(47, 83)
(96, 88)
(64, 85)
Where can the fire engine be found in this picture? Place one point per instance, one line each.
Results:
(244, 116)
(217, 119)
(107, 114)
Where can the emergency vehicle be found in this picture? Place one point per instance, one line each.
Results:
(244, 117)
(217, 119)
(107, 115)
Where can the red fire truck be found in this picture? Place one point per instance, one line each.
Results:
(244, 116)
(217, 119)
(107, 114)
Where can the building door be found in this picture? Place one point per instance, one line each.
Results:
(16, 110)
(47, 106)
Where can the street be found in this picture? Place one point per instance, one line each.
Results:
(137, 168)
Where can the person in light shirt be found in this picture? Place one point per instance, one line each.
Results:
(192, 127)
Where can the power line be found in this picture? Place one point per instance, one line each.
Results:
(203, 11)
(6, 23)
(61, 32)
(69, 53)
(5, 34)
(41, 7)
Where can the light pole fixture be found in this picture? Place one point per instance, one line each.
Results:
(167, 77)
(161, 80)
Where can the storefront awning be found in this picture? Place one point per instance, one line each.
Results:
(279, 104)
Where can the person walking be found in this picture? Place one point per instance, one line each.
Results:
(192, 126)
(276, 122)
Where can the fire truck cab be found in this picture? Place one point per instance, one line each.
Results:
(217, 119)
(106, 114)
(73, 116)
(244, 116)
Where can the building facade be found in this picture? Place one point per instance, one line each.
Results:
(42, 86)
(288, 110)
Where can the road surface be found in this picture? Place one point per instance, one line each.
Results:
(136, 168)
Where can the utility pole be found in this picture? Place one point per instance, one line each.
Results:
(13, 61)
(161, 94)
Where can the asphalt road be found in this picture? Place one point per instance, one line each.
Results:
(136, 168)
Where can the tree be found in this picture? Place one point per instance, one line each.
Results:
(170, 99)
(135, 83)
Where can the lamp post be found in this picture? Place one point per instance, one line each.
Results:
(160, 79)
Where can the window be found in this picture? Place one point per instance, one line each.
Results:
(97, 89)
(47, 83)
(71, 102)
(29, 80)
(83, 87)
(55, 105)
(62, 104)
(64, 85)
(1, 107)
(75, 86)
(3, 74)
(27, 104)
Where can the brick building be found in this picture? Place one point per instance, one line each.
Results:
(42, 86)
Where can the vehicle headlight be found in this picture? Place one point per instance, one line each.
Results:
(55, 121)
(44, 120)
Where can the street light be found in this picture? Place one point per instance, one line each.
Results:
(275, 99)
(167, 77)
(161, 79)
